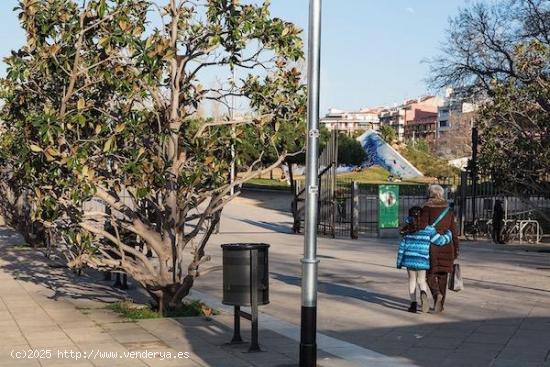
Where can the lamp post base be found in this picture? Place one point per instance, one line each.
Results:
(308, 345)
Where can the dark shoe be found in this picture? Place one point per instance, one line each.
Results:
(412, 308)
(424, 302)
(438, 307)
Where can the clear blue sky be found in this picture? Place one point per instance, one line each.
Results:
(372, 49)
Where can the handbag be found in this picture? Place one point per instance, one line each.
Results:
(456, 283)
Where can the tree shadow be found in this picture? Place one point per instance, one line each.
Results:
(426, 342)
(520, 342)
(498, 342)
(28, 265)
(275, 227)
(277, 200)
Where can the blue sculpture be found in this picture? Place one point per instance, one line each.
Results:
(380, 153)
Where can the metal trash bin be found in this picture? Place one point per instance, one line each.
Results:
(246, 283)
(237, 273)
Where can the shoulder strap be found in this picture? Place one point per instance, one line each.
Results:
(441, 216)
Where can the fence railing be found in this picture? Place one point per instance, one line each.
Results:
(352, 208)
(476, 202)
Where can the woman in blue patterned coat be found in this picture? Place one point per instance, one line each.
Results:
(414, 255)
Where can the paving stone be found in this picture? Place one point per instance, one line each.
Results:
(179, 362)
(498, 329)
(19, 363)
(459, 361)
(479, 350)
(523, 355)
(500, 362)
(50, 340)
(488, 338)
(142, 336)
(426, 356)
(437, 343)
(65, 362)
(474, 328)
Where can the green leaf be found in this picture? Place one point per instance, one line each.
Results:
(101, 8)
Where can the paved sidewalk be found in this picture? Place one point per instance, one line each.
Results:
(62, 319)
(501, 319)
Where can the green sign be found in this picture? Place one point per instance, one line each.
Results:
(388, 206)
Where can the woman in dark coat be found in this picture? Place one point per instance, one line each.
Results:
(441, 257)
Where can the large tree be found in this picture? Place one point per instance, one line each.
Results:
(102, 108)
(499, 54)
(515, 125)
(388, 133)
(482, 41)
(350, 151)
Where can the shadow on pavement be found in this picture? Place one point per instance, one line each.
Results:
(351, 292)
(280, 228)
(30, 265)
(504, 342)
(280, 201)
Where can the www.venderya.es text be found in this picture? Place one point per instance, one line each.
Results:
(96, 354)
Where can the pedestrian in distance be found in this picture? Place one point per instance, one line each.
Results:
(442, 258)
(414, 255)
(498, 222)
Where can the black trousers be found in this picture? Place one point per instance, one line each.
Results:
(497, 231)
(438, 284)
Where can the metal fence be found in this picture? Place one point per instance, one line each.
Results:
(475, 203)
(352, 208)
(328, 193)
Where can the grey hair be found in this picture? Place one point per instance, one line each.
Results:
(436, 192)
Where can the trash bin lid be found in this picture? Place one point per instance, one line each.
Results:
(244, 246)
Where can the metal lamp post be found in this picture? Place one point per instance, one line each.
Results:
(231, 117)
(308, 344)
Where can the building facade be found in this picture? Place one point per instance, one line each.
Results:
(351, 122)
(451, 111)
(455, 119)
(414, 119)
(421, 118)
(395, 118)
(429, 117)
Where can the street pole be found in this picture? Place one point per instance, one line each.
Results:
(308, 335)
(231, 117)
(475, 142)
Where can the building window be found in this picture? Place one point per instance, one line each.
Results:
(444, 123)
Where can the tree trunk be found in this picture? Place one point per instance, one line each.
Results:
(291, 177)
(169, 298)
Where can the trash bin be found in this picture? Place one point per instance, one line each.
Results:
(237, 273)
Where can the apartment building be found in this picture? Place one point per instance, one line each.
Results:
(428, 117)
(451, 111)
(414, 119)
(455, 119)
(394, 117)
(421, 118)
(352, 121)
